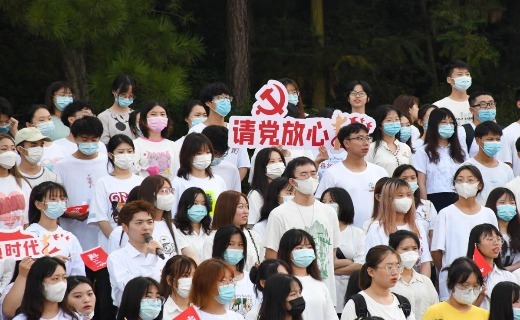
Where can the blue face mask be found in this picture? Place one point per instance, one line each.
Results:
(225, 294)
(392, 128)
(46, 128)
(5, 129)
(487, 115)
(414, 186)
(233, 256)
(150, 308)
(293, 98)
(196, 121)
(426, 125)
(62, 102)
(462, 83)
(216, 161)
(197, 212)
(446, 130)
(516, 313)
(55, 209)
(124, 102)
(303, 257)
(491, 148)
(223, 107)
(88, 148)
(405, 134)
(506, 212)
(334, 206)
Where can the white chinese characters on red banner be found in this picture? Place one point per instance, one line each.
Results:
(95, 259)
(18, 244)
(268, 127)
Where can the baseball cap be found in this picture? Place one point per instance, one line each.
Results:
(30, 134)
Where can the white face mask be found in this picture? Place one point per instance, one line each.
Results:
(409, 258)
(467, 296)
(34, 155)
(124, 160)
(54, 292)
(164, 201)
(467, 190)
(202, 161)
(403, 204)
(184, 287)
(307, 186)
(8, 159)
(274, 170)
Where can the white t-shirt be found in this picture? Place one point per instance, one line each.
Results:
(261, 229)
(416, 134)
(52, 155)
(74, 266)
(159, 157)
(295, 153)
(60, 130)
(160, 233)
(439, 176)
(459, 109)
(451, 235)
(508, 152)
(514, 186)
(229, 173)
(196, 241)
(491, 280)
(376, 236)
(229, 315)
(171, 309)
(419, 291)
(245, 297)
(461, 133)
(70, 147)
(493, 178)
(256, 202)
(213, 187)
(318, 303)
(253, 313)
(387, 159)
(360, 186)
(321, 221)
(425, 215)
(352, 244)
(335, 156)
(108, 189)
(42, 176)
(376, 309)
(79, 178)
(60, 316)
(14, 203)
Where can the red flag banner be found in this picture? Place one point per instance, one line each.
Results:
(95, 259)
(188, 314)
(481, 262)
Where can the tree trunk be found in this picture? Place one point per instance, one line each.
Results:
(76, 72)
(318, 30)
(429, 45)
(237, 55)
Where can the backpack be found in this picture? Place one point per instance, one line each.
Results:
(362, 310)
(470, 135)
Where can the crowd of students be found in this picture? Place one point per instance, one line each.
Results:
(385, 227)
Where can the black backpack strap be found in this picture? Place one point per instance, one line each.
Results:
(470, 135)
(404, 304)
(361, 306)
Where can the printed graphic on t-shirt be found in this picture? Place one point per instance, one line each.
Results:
(212, 200)
(242, 304)
(11, 210)
(120, 122)
(161, 161)
(168, 246)
(323, 245)
(50, 163)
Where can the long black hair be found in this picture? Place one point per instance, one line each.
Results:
(33, 301)
(380, 114)
(485, 229)
(221, 243)
(276, 291)
(38, 193)
(344, 201)
(266, 269)
(182, 222)
(432, 137)
(260, 181)
(290, 240)
(134, 292)
(114, 142)
(504, 294)
(193, 143)
(271, 198)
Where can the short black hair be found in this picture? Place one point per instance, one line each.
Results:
(5, 107)
(347, 130)
(344, 201)
(122, 83)
(366, 87)
(474, 95)
(212, 90)
(460, 270)
(51, 90)
(134, 291)
(221, 243)
(394, 239)
(483, 230)
(89, 126)
(218, 135)
(474, 171)
(459, 64)
(297, 162)
(486, 128)
(188, 106)
(71, 109)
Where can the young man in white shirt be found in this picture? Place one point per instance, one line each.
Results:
(354, 174)
(217, 98)
(495, 173)
(139, 257)
(511, 135)
(459, 78)
(483, 108)
(218, 135)
(514, 185)
(307, 213)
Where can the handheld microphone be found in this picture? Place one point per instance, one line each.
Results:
(159, 252)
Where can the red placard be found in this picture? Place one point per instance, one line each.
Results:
(78, 209)
(188, 314)
(95, 259)
(481, 262)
